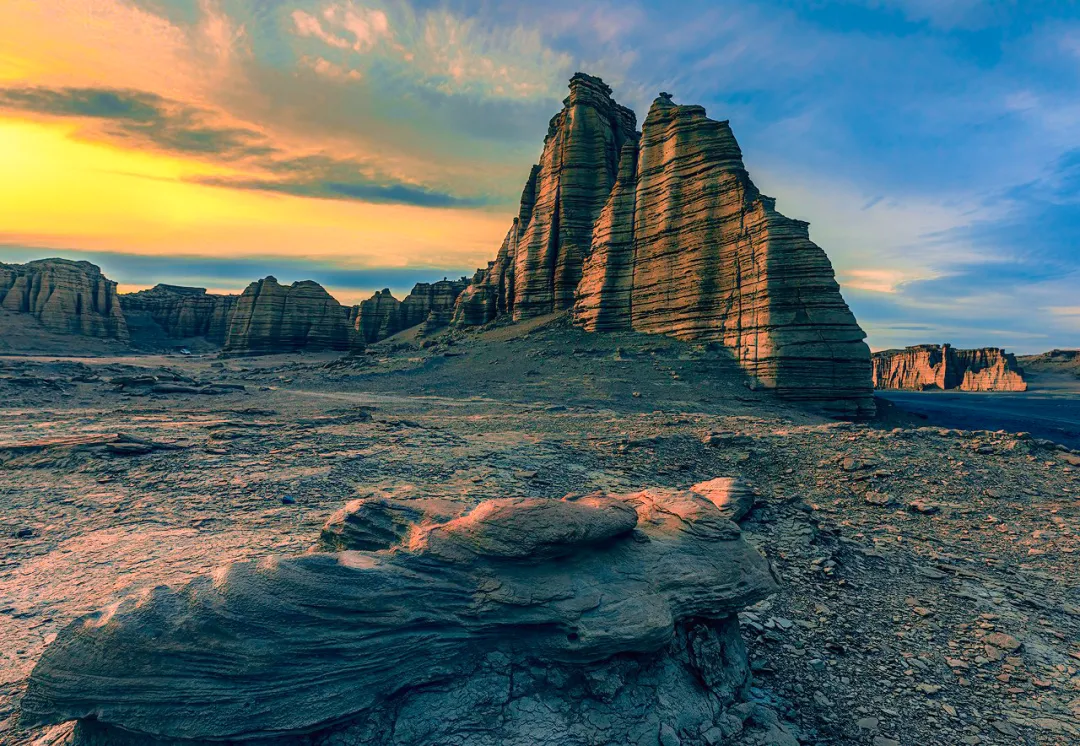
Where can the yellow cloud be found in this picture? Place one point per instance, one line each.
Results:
(63, 192)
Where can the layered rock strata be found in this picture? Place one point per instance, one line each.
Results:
(681, 243)
(270, 317)
(429, 305)
(67, 297)
(539, 265)
(687, 246)
(182, 312)
(601, 619)
(944, 367)
(379, 316)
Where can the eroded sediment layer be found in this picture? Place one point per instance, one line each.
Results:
(690, 248)
(542, 621)
(182, 312)
(944, 367)
(65, 296)
(270, 317)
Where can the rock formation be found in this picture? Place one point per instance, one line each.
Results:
(539, 265)
(600, 619)
(269, 317)
(430, 304)
(379, 316)
(678, 241)
(943, 367)
(181, 312)
(687, 246)
(1055, 361)
(65, 296)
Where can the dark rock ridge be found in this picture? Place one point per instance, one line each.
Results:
(944, 367)
(681, 243)
(430, 304)
(603, 619)
(269, 317)
(67, 297)
(539, 264)
(182, 312)
(1054, 361)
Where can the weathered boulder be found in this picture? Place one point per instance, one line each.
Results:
(270, 317)
(181, 312)
(944, 367)
(524, 621)
(687, 246)
(67, 297)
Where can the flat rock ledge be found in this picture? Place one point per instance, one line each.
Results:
(588, 620)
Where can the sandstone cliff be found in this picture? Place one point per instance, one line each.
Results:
(943, 367)
(270, 317)
(539, 265)
(65, 296)
(687, 246)
(378, 317)
(664, 232)
(430, 304)
(181, 312)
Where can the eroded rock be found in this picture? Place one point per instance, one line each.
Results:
(65, 296)
(944, 367)
(181, 312)
(270, 317)
(525, 621)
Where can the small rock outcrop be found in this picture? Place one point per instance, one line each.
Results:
(944, 367)
(602, 619)
(270, 317)
(664, 232)
(181, 312)
(67, 297)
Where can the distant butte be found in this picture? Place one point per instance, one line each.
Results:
(944, 367)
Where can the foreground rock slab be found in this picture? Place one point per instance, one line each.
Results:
(529, 620)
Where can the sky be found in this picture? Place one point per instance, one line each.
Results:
(933, 145)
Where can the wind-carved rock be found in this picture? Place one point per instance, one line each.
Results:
(429, 305)
(688, 247)
(681, 243)
(943, 367)
(379, 316)
(270, 317)
(181, 312)
(67, 297)
(539, 264)
(601, 619)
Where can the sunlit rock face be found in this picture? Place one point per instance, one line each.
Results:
(688, 247)
(598, 619)
(538, 267)
(664, 232)
(270, 317)
(943, 367)
(67, 297)
(182, 312)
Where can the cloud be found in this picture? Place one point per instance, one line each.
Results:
(183, 129)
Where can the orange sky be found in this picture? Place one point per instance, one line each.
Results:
(71, 182)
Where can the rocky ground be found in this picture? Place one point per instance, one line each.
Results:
(929, 589)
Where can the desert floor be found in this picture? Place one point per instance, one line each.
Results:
(929, 575)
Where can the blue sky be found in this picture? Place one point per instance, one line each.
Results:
(934, 145)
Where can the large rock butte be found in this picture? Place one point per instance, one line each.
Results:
(944, 367)
(680, 243)
(539, 265)
(181, 312)
(67, 297)
(602, 619)
(269, 317)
